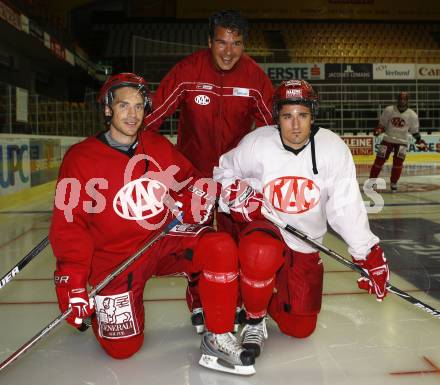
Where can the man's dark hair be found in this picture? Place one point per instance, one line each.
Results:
(228, 19)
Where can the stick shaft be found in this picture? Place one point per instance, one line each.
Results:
(393, 289)
(24, 261)
(44, 332)
(352, 266)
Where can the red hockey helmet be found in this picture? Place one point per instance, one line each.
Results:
(295, 92)
(125, 79)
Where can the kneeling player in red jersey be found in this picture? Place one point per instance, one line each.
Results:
(307, 176)
(111, 197)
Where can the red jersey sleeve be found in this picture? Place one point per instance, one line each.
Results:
(69, 233)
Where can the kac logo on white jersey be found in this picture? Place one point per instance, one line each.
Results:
(292, 194)
(203, 100)
(140, 199)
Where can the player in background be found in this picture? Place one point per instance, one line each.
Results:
(396, 122)
(110, 199)
(222, 94)
(306, 175)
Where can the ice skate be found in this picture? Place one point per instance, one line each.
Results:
(198, 319)
(253, 337)
(224, 353)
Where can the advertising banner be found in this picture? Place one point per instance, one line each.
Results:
(45, 160)
(287, 71)
(14, 165)
(70, 58)
(369, 145)
(36, 31)
(394, 71)
(10, 16)
(24, 21)
(428, 71)
(432, 142)
(46, 40)
(348, 72)
(359, 145)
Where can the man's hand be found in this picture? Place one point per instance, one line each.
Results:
(243, 201)
(198, 202)
(378, 130)
(376, 266)
(421, 145)
(72, 293)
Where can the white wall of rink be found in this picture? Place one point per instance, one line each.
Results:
(30, 160)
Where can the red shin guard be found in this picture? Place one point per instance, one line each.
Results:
(216, 256)
(260, 256)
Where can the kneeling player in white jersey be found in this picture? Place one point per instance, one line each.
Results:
(110, 199)
(396, 122)
(307, 174)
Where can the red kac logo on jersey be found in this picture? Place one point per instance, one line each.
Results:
(140, 199)
(397, 122)
(292, 195)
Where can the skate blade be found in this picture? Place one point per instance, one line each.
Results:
(214, 363)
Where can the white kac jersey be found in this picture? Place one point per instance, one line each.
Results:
(302, 199)
(398, 124)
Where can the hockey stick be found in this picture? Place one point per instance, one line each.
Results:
(44, 332)
(26, 259)
(393, 289)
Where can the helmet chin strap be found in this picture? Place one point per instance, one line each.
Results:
(108, 118)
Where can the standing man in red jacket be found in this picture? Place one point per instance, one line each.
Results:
(222, 94)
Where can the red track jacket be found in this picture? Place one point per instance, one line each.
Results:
(217, 108)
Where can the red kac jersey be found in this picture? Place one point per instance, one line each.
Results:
(107, 204)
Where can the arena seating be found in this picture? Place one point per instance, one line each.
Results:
(304, 42)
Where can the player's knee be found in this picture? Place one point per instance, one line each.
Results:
(122, 348)
(260, 255)
(294, 325)
(216, 251)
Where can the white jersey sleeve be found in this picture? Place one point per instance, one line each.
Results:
(414, 122)
(345, 209)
